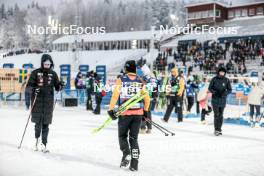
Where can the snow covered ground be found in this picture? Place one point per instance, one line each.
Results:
(75, 151)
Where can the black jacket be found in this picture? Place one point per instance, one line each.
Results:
(46, 80)
(220, 87)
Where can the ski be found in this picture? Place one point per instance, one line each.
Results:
(128, 104)
(162, 96)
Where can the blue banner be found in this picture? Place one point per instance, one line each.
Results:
(65, 75)
(84, 69)
(8, 65)
(27, 66)
(101, 71)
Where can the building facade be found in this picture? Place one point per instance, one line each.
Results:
(109, 41)
(213, 13)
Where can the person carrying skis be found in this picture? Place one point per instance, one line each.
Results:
(126, 87)
(43, 81)
(174, 89)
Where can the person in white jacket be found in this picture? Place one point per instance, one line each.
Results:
(255, 98)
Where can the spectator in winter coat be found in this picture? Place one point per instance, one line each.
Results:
(89, 89)
(98, 86)
(255, 98)
(80, 86)
(203, 96)
(190, 92)
(220, 87)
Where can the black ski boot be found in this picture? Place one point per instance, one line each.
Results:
(133, 165)
(125, 161)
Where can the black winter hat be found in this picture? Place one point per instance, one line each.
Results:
(221, 69)
(46, 57)
(130, 66)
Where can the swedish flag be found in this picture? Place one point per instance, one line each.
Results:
(22, 75)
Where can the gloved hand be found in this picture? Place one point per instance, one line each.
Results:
(145, 115)
(111, 113)
(62, 85)
(36, 90)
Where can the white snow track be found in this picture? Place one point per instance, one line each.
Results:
(193, 151)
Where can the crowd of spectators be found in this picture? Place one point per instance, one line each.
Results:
(209, 55)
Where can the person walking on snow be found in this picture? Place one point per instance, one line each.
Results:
(129, 122)
(203, 97)
(255, 98)
(220, 87)
(43, 81)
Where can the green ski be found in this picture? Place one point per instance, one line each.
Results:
(128, 104)
(162, 95)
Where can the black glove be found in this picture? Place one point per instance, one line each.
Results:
(62, 85)
(145, 115)
(111, 113)
(36, 90)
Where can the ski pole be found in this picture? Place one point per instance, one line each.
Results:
(55, 102)
(159, 126)
(172, 133)
(36, 94)
(148, 121)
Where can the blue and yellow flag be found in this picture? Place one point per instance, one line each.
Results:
(23, 75)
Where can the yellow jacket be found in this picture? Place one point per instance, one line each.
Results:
(175, 73)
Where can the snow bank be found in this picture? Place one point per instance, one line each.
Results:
(110, 58)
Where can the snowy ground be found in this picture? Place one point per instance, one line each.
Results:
(75, 151)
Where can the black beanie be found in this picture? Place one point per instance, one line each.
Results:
(130, 66)
(221, 69)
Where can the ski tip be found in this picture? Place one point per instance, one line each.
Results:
(94, 131)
